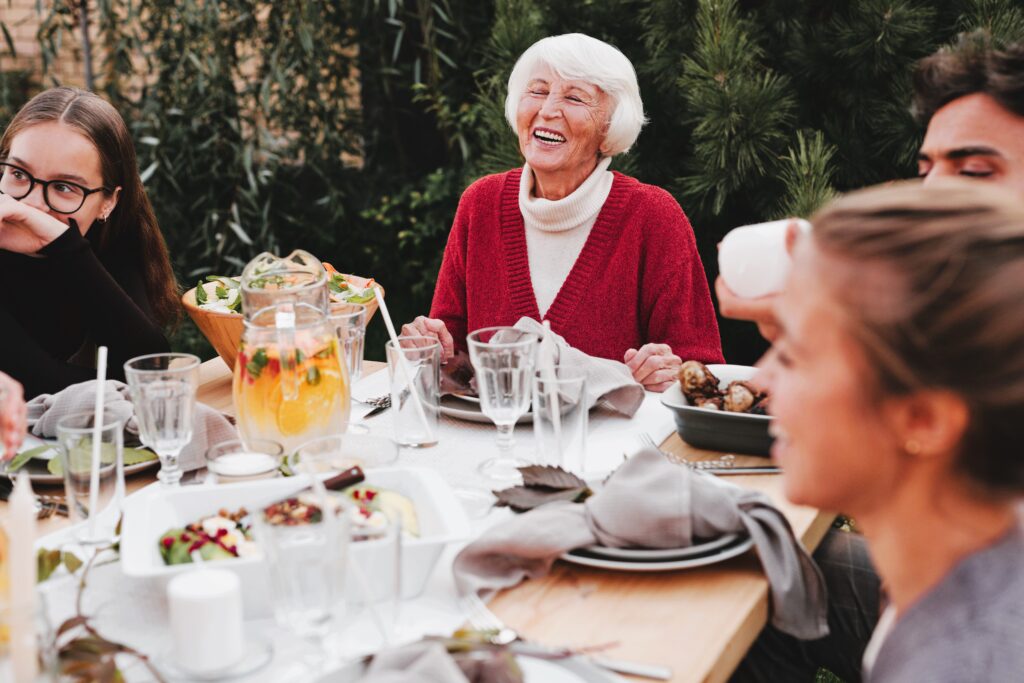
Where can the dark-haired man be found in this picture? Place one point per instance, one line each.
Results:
(971, 98)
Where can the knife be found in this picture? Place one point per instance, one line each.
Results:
(766, 469)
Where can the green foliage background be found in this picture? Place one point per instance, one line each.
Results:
(249, 138)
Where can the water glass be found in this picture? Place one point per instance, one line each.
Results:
(560, 418)
(93, 499)
(307, 564)
(163, 391)
(504, 359)
(349, 322)
(235, 460)
(341, 451)
(376, 572)
(415, 363)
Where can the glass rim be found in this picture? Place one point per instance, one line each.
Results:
(193, 362)
(247, 445)
(527, 339)
(117, 422)
(433, 342)
(290, 458)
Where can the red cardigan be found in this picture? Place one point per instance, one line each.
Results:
(638, 278)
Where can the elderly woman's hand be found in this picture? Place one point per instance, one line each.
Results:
(423, 326)
(12, 416)
(654, 366)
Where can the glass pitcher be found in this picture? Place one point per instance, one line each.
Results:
(297, 278)
(290, 382)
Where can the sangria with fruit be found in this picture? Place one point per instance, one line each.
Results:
(290, 382)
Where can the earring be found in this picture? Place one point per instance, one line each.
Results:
(912, 446)
(101, 219)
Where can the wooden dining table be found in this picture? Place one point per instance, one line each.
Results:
(698, 622)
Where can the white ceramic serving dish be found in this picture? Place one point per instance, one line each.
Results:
(149, 513)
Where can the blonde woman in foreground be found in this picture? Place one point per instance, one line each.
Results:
(898, 391)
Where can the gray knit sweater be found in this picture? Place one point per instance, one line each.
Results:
(968, 628)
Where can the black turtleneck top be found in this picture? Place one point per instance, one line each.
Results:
(58, 306)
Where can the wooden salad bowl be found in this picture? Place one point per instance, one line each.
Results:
(224, 330)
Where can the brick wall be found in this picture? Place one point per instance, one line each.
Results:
(22, 21)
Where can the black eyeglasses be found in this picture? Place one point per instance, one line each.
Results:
(68, 197)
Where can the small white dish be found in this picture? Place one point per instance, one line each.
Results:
(257, 655)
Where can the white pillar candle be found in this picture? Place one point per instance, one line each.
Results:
(206, 619)
(21, 531)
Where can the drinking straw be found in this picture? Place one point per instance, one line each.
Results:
(97, 435)
(403, 363)
(548, 374)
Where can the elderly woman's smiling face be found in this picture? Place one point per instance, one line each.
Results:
(561, 125)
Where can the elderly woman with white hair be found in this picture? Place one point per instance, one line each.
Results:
(611, 262)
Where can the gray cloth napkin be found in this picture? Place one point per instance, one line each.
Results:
(609, 382)
(652, 503)
(46, 410)
(421, 662)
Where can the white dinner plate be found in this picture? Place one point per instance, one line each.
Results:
(464, 410)
(649, 554)
(726, 553)
(572, 670)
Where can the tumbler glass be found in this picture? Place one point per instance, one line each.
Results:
(414, 366)
(93, 496)
(560, 418)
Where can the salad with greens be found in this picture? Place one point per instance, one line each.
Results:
(226, 296)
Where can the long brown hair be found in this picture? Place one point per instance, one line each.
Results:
(930, 282)
(133, 218)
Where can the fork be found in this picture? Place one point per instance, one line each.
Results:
(379, 403)
(725, 465)
(498, 633)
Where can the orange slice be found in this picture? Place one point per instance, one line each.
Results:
(313, 404)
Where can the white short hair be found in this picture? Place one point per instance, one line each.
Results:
(578, 57)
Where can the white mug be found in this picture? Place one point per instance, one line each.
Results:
(753, 259)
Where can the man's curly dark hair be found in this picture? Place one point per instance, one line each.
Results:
(973, 65)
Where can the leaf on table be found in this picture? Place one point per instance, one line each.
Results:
(524, 498)
(71, 562)
(550, 477)
(47, 562)
(73, 622)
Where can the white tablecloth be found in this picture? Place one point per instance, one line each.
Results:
(134, 611)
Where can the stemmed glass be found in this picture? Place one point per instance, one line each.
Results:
(504, 359)
(163, 390)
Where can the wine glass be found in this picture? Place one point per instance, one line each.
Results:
(503, 358)
(163, 391)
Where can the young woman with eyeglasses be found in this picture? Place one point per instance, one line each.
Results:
(82, 259)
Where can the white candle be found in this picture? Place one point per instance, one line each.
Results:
(206, 619)
(22, 561)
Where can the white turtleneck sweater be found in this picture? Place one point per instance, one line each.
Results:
(557, 230)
